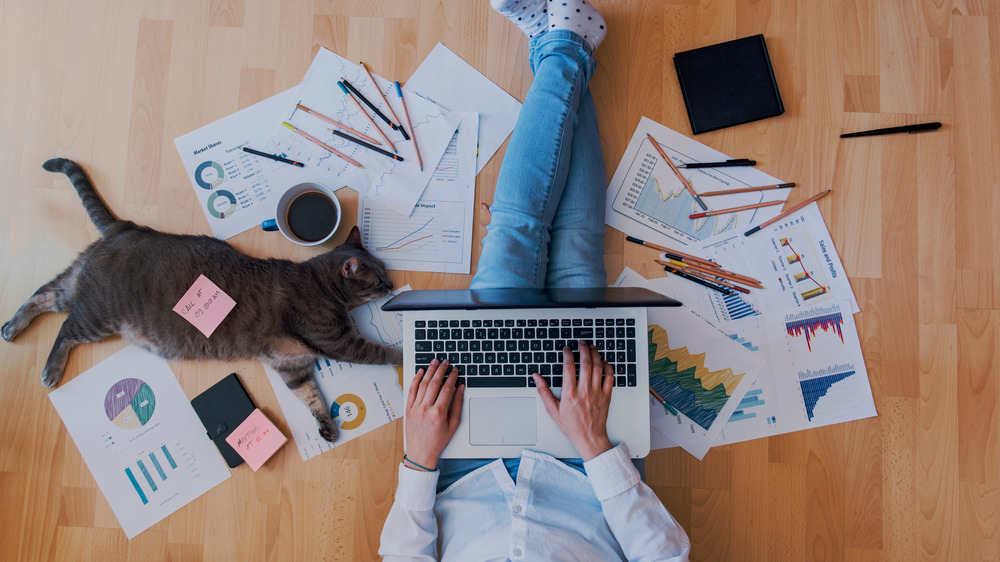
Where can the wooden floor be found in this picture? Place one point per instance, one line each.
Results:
(915, 219)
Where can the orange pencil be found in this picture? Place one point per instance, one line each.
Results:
(323, 145)
(368, 117)
(735, 209)
(687, 184)
(786, 213)
(337, 124)
(746, 189)
(413, 134)
(389, 107)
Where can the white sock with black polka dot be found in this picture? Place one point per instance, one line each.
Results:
(579, 17)
(529, 15)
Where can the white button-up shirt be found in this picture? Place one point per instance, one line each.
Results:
(552, 512)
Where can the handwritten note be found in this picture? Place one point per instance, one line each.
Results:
(256, 439)
(205, 305)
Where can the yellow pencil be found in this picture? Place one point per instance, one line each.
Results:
(320, 143)
(336, 123)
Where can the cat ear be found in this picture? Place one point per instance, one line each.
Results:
(350, 267)
(354, 238)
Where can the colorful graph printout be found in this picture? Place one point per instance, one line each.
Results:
(140, 437)
(701, 372)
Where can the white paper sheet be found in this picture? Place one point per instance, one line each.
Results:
(437, 236)
(647, 200)
(140, 437)
(238, 190)
(361, 397)
(397, 185)
(444, 78)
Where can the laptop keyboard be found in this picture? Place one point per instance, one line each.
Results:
(503, 353)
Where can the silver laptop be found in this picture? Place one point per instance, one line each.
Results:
(498, 337)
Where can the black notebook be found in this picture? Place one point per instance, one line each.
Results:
(728, 84)
(222, 408)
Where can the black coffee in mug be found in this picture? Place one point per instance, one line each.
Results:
(311, 216)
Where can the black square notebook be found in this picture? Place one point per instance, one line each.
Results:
(728, 84)
(222, 408)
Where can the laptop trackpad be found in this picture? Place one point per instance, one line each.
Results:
(503, 421)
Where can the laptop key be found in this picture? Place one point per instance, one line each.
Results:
(422, 346)
(496, 382)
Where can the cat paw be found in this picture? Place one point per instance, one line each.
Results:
(51, 377)
(7, 332)
(328, 430)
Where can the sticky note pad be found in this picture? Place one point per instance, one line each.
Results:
(256, 439)
(205, 305)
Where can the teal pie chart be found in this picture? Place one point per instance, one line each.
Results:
(221, 204)
(209, 174)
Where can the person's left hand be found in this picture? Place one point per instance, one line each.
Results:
(433, 413)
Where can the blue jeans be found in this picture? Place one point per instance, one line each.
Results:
(547, 228)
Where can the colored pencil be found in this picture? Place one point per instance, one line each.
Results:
(742, 279)
(387, 106)
(370, 105)
(687, 184)
(736, 162)
(697, 280)
(368, 117)
(708, 277)
(684, 257)
(662, 401)
(366, 145)
(273, 157)
(735, 209)
(786, 213)
(336, 123)
(323, 145)
(413, 133)
(746, 189)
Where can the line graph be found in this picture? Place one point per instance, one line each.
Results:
(433, 232)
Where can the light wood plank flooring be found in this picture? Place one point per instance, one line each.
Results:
(111, 84)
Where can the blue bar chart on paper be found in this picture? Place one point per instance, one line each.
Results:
(820, 388)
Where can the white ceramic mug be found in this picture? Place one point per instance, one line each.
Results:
(308, 207)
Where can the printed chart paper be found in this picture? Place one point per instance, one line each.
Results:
(140, 437)
(447, 80)
(437, 236)
(398, 185)
(238, 190)
(361, 397)
(647, 200)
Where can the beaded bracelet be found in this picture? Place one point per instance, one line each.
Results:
(424, 468)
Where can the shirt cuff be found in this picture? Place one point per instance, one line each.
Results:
(611, 473)
(417, 488)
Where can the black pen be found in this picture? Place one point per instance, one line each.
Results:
(726, 164)
(274, 157)
(366, 145)
(889, 130)
(369, 104)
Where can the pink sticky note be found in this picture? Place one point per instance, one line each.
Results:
(205, 305)
(256, 439)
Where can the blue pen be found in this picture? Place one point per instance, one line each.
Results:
(413, 134)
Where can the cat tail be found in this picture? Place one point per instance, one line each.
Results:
(92, 202)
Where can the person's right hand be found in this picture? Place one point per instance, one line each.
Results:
(433, 413)
(582, 412)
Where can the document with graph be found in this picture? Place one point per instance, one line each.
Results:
(437, 235)
(698, 370)
(815, 376)
(647, 200)
(360, 397)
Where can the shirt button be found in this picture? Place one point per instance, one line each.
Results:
(517, 509)
(517, 553)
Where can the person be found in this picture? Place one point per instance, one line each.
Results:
(546, 230)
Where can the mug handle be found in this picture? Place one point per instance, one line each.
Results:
(269, 225)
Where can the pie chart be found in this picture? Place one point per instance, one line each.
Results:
(129, 403)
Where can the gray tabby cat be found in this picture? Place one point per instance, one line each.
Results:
(287, 314)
